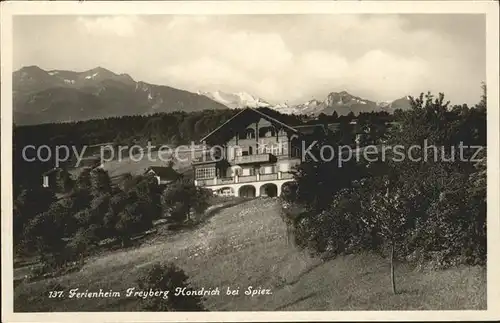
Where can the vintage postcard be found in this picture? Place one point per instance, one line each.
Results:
(250, 161)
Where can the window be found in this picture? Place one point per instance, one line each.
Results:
(250, 133)
(250, 150)
(267, 132)
(205, 173)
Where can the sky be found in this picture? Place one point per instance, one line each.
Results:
(280, 58)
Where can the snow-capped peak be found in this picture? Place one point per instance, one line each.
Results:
(342, 102)
(236, 100)
(88, 77)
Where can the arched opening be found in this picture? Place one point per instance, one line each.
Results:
(225, 191)
(247, 191)
(269, 190)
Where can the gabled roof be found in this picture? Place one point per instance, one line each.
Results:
(246, 110)
(167, 173)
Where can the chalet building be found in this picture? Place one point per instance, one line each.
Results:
(164, 175)
(252, 154)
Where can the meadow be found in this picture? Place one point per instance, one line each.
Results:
(245, 245)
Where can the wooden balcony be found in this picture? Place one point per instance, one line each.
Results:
(244, 179)
(225, 180)
(252, 159)
(268, 177)
(206, 182)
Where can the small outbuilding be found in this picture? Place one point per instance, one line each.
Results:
(164, 175)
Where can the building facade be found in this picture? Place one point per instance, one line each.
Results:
(250, 155)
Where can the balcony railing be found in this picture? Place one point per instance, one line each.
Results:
(225, 180)
(260, 158)
(206, 182)
(244, 179)
(268, 177)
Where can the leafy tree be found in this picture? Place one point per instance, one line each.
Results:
(79, 199)
(117, 204)
(28, 204)
(318, 181)
(84, 218)
(168, 277)
(83, 180)
(482, 103)
(132, 220)
(64, 182)
(390, 210)
(149, 192)
(428, 208)
(100, 181)
(126, 182)
(45, 234)
(84, 240)
(182, 198)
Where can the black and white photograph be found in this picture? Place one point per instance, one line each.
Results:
(215, 159)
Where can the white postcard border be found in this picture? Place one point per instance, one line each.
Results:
(489, 8)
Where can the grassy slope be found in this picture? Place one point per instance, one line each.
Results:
(243, 246)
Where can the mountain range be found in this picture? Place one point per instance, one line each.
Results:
(41, 96)
(341, 102)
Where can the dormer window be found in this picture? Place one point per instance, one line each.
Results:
(250, 134)
(267, 132)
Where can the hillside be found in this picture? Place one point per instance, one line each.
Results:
(60, 96)
(245, 245)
